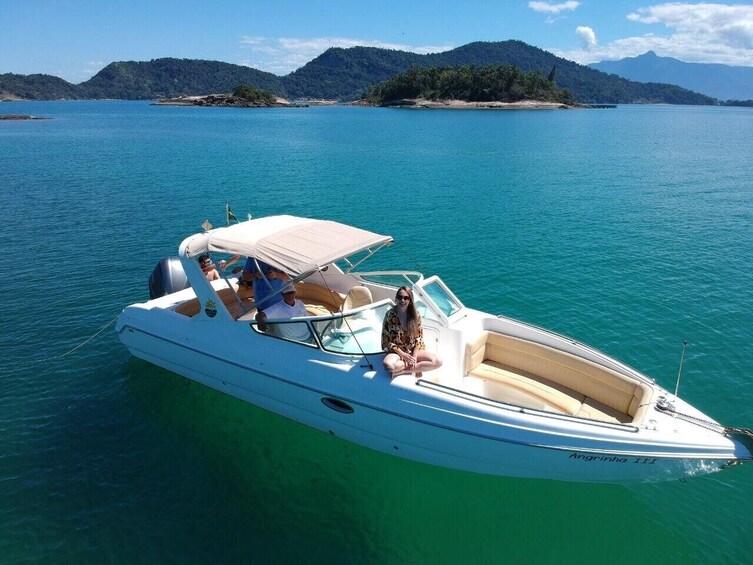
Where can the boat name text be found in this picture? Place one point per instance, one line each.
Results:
(613, 459)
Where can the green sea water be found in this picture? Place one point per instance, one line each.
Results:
(629, 229)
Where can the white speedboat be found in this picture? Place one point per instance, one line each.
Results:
(510, 399)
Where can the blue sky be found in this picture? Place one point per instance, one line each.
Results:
(74, 39)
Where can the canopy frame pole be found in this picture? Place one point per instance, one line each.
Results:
(370, 252)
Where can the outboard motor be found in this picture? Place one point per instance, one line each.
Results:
(167, 277)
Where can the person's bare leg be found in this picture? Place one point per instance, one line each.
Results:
(426, 361)
(394, 364)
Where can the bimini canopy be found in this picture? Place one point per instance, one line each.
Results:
(294, 245)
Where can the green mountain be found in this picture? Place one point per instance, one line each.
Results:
(174, 77)
(341, 74)
(344, 74)
(35, 87)
(586, 86)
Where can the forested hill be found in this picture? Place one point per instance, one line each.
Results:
(347, 73)
(492, 83)
(36, 87)
(586, 87)
(337, 74)
(174, 77)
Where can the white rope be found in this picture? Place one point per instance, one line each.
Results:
(103, 328)
(79, 346)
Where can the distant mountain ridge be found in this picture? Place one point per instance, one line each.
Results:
(337, 74)
(724, 82)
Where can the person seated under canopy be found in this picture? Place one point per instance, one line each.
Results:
(288, 307)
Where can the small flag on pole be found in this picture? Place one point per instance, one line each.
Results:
(230, 215)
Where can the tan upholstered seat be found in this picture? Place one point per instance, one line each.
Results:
(357, 296)
(558, 379)
(319, 300)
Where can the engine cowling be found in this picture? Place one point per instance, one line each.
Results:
(167, 277)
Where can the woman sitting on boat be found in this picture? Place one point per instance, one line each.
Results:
(403, 340)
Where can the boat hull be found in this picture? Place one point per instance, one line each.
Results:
(399, 419)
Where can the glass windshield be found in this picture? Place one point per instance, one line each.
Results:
(442, 297)
(425, 312)
(356, 334)
(289, 331)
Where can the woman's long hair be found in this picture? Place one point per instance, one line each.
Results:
(414, 318)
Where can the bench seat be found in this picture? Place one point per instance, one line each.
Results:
(524, 373)
(553, 395)
(319, 300)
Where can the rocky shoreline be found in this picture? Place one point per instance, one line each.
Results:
(222, 100)
(230, 101)
(227, 100)
(465, 105)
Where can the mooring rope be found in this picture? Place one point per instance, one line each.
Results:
(79, 346)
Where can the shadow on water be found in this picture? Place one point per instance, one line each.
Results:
(245, 482)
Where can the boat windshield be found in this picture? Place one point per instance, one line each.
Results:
(357, 333)
(441, 296)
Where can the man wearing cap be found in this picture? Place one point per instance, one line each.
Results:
(266, 280)
(289, 307)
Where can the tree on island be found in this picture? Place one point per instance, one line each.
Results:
(492, 83)
(254, 95)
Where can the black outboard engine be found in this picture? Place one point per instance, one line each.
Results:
(167, 277)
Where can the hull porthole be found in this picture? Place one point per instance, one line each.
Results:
(337, 405)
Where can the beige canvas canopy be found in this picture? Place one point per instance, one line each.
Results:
(292, 244)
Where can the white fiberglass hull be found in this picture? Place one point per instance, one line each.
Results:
(424, 423)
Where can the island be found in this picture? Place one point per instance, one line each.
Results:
(502, 87)
(226, 100)
(21, 117)
(243, 96)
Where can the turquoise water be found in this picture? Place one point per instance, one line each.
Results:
(629, 229)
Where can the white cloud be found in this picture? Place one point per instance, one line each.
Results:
(587, 37)
(286, 54)
(720, 23)
(701, 33)
(553, 9)
(252, 40)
